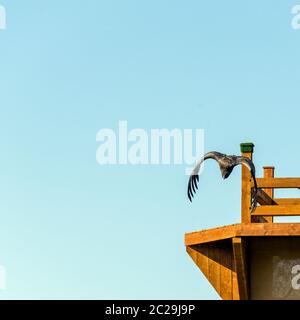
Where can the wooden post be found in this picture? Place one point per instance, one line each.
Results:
(247, 151)
(240, 266)
(269, 173)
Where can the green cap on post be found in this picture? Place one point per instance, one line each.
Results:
(247, 147)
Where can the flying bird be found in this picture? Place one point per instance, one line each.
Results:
(226, 164)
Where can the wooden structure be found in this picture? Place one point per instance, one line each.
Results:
(257, 258)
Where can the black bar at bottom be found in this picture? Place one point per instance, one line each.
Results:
(147, 309)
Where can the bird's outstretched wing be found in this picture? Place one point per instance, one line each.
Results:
(249, 164)
(194, 178)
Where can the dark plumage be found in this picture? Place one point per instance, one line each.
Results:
(226, 164)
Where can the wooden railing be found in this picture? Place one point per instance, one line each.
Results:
(278, 206)
(268, 205)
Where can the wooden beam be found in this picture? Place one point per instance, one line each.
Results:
(287, 201)
(268, 230)
(242, 230)
(210, 235)
(279, 183)
(239, 253)
(269, 173)
(264, 199)
(279, 210)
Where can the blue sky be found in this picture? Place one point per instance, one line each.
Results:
(73, 229)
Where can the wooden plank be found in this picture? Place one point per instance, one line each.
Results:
(210, 235)
(287, 201)
(269, 173)
(226, 274)
(214, 268)
(279, 210)
(239, 253)
(236, 230)
(215, 262)
(235, 287)
(200, 257)
(280, 183)
(268, 229)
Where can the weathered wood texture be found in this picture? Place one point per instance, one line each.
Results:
(244, 268)
(287, 201)
(277, 210)
(242, 230)
(280, 183)
(216, 263)
(271, 207)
